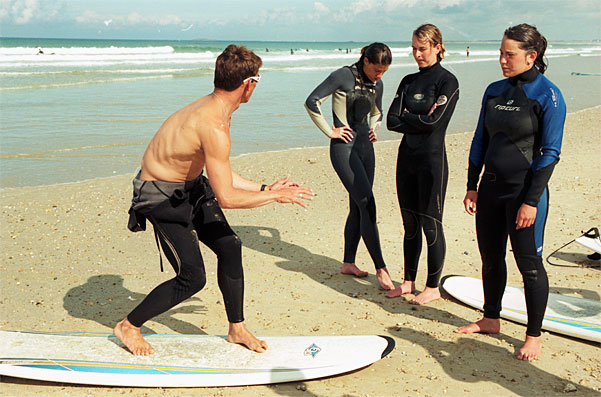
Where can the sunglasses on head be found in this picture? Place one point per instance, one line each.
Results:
(253, 78)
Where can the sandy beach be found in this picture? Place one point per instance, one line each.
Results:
(70, 264)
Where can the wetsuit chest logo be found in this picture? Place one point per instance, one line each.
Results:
(507, 107)
(418, 97)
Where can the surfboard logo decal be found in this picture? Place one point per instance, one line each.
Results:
(312, 350)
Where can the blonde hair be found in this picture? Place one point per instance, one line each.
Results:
(431, 34)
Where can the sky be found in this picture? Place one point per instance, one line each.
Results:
(295, 20)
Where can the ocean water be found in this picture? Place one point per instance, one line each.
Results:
(87, 108)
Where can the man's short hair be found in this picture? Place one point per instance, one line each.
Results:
(233, 65)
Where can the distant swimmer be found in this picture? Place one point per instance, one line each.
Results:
(41, 52)
(467, 51)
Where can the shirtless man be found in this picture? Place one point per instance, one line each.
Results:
(174, 195)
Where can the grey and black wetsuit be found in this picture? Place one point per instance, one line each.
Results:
(182, 213)
(517, 141)
(422, 169)
(356, 103)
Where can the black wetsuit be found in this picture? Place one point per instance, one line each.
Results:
(518, 141)
(422, 170)
(182, 213)
(356, 103)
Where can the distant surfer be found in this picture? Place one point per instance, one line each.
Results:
(517, 141)
(40, 51)
(184, 206)
(357, 113)
(467, 51)
(421, 111)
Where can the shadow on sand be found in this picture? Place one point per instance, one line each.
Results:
(105, 300)
(459, 359)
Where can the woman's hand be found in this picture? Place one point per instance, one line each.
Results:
(344, 133)
(526, 216)
(469, 202)
(372, 135)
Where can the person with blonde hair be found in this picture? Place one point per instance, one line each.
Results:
(357, 114)
(421, 111)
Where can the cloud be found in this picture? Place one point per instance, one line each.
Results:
(131, 19)
(320, 8)
(21, 12)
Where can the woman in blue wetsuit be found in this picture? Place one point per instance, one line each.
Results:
(357, 113)
(517, 141)
(421, 110)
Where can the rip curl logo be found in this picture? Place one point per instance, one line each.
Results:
(507, 107)
(312, 350)
(418, 97)
(554, 97)
(441, 100)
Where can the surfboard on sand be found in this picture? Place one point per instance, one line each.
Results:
(183, 360)
(567, 315)
(591, 240)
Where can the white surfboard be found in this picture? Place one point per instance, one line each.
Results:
(183, 360)
(567, 315)
(590, 242)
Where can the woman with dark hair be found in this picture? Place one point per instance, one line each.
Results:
(517, 141)
(357, 114)
(421, 110)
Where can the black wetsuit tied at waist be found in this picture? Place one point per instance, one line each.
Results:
(182, 213)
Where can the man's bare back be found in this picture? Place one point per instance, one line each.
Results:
(175, 154)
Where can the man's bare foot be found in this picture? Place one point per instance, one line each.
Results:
(238, 333)
(384, 279)
(484, 326)
(132, 338)
(408, 287)
(352, 269)
(427, 295)
(531, 349)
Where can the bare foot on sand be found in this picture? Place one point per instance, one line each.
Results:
(484, 326)
(132, 338)
(384, 279)
(408, 287)
(352, 269)
(531, 349)
(240, 335)
(427, 295)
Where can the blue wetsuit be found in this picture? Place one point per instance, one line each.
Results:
(517, 141)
